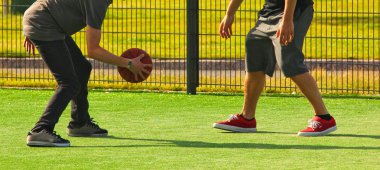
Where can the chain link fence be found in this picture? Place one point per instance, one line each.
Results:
(342, 46)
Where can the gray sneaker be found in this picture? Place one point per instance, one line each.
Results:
(46, 138)
(90, 129)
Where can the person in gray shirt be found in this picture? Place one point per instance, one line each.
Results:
(48, 26)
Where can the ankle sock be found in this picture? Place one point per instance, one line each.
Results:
(325, 117)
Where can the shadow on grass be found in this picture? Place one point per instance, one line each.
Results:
(200, 144)
(355, 136)
(287, 133)
(330, 135)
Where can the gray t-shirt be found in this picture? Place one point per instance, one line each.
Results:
(49, 20)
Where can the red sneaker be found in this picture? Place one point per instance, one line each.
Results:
(237, 123)
(319, 127)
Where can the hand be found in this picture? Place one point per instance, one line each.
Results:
(29, 46)
(138, 68)
(285, 32)
(225, 29)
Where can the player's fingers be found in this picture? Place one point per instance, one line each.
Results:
(141, 75)
(283, 39)
(25, 43)
(148, 65)
(225, 30)
(288, 38)
(280, 38)
(221, 29)
(291, 38)
(223, 34)
(28, 48)
(286, 42)
(135, 76)
(230, 30)
(140, 56)
(33, 49)
(227, 34)
(145, 71)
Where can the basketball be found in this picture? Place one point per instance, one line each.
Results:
(126, 74)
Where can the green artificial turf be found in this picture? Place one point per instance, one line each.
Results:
(174, 131)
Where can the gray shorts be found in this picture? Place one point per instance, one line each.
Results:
(263, 49)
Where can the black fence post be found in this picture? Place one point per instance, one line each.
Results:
(192, 46)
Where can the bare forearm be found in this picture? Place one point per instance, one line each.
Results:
(96, 52)
(103, 55)
(290, 6)
(233, 6)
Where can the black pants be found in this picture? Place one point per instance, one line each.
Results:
(72, 72)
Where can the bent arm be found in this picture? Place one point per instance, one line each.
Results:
(96, 52)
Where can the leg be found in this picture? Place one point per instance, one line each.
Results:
(81, 124)
(291, 61)
(259, 61)
(246, 122)
(57, 56)
(310, 89)
(79, 104)
(323, 123)
(253, 86)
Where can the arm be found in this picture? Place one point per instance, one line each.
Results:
(285, 31)
(96, 52)
(225, 29)
(29, 46)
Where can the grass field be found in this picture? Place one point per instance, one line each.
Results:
(341, 29)
(173, 131)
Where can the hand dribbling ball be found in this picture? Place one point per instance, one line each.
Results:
(128, 75)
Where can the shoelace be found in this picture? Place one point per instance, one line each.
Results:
(55, 135)
(93, 123)
(232, 117)
(314, 124)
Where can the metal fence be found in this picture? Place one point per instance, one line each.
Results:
(342, 46)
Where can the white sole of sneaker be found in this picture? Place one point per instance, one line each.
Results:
(325, 132)
(47, 144)
(88, 135)
(233, 128)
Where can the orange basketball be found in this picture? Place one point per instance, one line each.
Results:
(126, 74)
